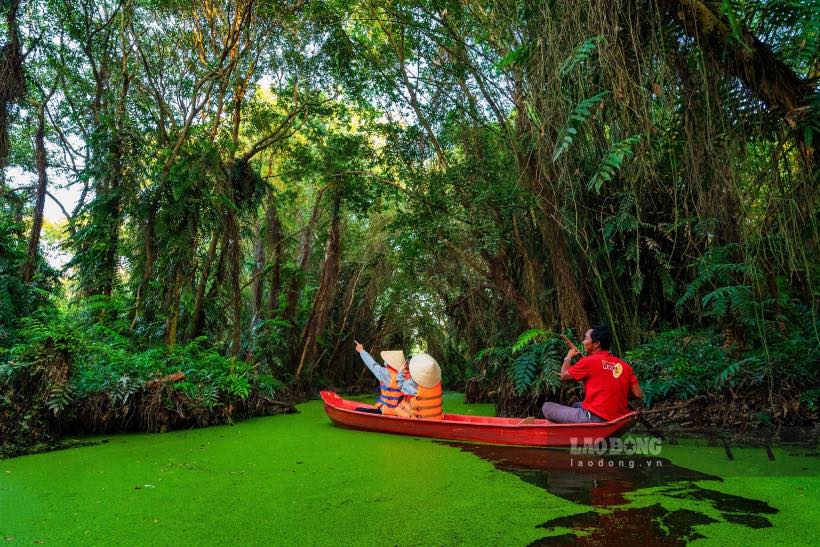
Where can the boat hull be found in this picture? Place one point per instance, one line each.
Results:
(481, 429)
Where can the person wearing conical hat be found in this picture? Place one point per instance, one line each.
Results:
(392, 376)
(426, 402)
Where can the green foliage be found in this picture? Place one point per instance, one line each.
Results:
(121, 391)
(523, 370)
(66, 359)
(13, 294)
(269, 343)
(517, 56)
(237, 385)
(18, 299)
(735, 298)
(675, 193)
(718, 267)
(727, 10)
(495, 357)
(682, 363)
(577, 119)
(613, 162)
(60, 397)
(810, 123)
(678, 363)
(811, 398)
(528, 337)
(531, 363)
(718, 274)
(269, 386)
(581, 54)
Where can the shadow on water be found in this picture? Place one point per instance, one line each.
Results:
(602, 482)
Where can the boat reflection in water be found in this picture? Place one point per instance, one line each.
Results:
(602, 482)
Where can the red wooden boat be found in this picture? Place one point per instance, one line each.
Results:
(482, 429)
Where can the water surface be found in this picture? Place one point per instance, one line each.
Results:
(298, 480)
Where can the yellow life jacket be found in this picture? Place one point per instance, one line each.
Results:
(390, 395)
(426, 405)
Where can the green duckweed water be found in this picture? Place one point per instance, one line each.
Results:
(297, 480)
(660, 502)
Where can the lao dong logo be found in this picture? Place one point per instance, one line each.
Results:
(631, 446)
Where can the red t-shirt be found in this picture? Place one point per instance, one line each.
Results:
(607, 383)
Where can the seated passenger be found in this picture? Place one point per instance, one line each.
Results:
(390, 377)
(608, 382)
(424, 390)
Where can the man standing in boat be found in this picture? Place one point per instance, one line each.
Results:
(608, 382)
(394, 379)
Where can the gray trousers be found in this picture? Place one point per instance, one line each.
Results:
(569, 414)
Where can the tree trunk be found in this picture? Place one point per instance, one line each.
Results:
(220, 270)
(535, 170)
(199, 301)
(349, 296)
(326, 293)
(172, 322)
(305, 244)
(148, 266)
(232, 233)
(212, 293)
(257, 283)
(571, 309)
(40, 198)
(13, 87)
(750, 60)
(498, 275)
(533, 275)
(274, 243)
(115, 172)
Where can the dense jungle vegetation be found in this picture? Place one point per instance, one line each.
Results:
(257, 183)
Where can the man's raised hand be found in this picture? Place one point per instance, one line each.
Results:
(359, 346)
(573, 351)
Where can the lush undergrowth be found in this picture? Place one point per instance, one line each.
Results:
(69, 372)
(763, 381)
(764, 384)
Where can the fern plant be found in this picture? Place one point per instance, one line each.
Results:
(496, 357)
(238, 385)
(529, 336)
(123, 389)
(581, 54)
(531, 363)
(60, 396)
(718, 268)
(538, 359)
(733, 291)
(269, 386)
(524, 368)
(613, 162)
(736, 300)
(580, 115)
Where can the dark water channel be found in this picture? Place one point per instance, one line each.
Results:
(601, 483)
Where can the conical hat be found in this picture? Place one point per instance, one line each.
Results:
(394, 359)
(424, 370)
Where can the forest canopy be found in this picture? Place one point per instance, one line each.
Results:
(255, 184)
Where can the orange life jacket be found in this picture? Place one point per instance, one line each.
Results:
(426, 405)
(390, 395)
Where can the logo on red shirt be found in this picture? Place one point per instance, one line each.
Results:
(616, 368)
